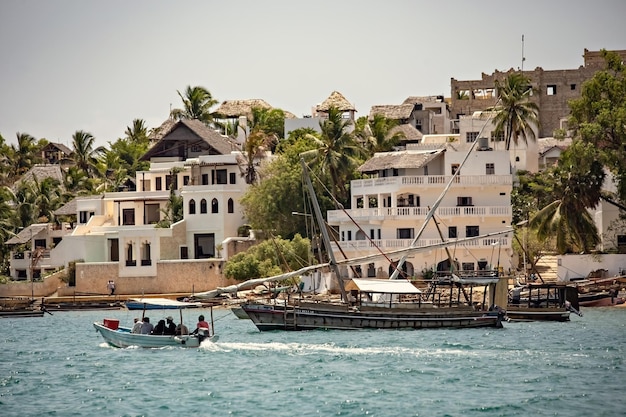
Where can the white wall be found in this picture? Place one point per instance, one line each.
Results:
(579, 266)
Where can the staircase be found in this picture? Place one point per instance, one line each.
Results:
(547, 268)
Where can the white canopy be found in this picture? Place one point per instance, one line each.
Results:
(164, 302)
(387, 286)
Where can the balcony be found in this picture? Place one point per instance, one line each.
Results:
(396, 244)
(435, 181)
(416, 213)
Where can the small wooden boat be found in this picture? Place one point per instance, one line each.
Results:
(122, 337)
(600, 299)
(21, 313)
(542, 302)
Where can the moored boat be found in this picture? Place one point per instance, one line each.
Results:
(542, 302)
(377, 304)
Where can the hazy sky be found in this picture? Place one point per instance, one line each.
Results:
(68, 65)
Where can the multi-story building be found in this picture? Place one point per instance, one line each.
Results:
(390, 206)
(129, 236)
(554, 89)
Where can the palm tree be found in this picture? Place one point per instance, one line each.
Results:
(84, 155)
(47, 194)
(337, 153)
(197, 103)
(138, 133)
(377, 134)
(577, 186)
(23, 156)
(516, 115)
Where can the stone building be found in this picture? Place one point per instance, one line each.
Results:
(554, 89)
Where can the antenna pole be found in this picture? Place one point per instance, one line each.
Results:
(523, 58)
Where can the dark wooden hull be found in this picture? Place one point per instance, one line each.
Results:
(332, 316)
(515, 313)
(21, 313)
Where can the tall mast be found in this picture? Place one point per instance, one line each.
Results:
(523, 57)
(324, 229)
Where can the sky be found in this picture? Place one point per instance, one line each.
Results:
(69, 65)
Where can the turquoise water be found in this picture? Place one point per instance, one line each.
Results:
(59, 366)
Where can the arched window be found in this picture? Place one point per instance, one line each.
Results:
(203, 206)
(231, 205)
(215, 208)
(192, 206)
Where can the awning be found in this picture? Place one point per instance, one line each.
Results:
(164, 302)
(386, 286)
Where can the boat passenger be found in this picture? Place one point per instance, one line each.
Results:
(137, 326)
(181, 329)
(202, 328)
(159, 329)
(170, 326)
(146, 327)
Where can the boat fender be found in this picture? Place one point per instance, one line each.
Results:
(180, 340)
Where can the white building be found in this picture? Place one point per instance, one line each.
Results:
(391, 205)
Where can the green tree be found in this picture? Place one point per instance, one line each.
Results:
(598, 117)
(85, 155)
(23, 155)
(197, 103)
(47, 198)
(337, 153)
(377, 134)
(268, 258)
(516, 114)
(577, 181)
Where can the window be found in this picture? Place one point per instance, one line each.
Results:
(426, 170)
(405, 233)
(497, 136)
(464, 201)
(192, 206)
(152, 213)
(231, 206)
(168, 182)
(205, 179)
(158, 183)
(184, 252)
(471, 231)
(129, 255)
(186, 180)
(205, 245)
(349, 234)
(372, 234)
(114, 250)
(84, 216)
(203, 206)
(233, 178)
(490, 169)
(572, 87)
(551, 90)
(146, 260)
(215, 206)
(471, 137)
(452, 233)
(128, 217)
(221, 176)
(467, 266)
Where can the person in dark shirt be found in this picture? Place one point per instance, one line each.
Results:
(170, 326)
(159, 329)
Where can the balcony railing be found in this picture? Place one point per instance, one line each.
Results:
(393, 244)
(416, 213)
(430, 180)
